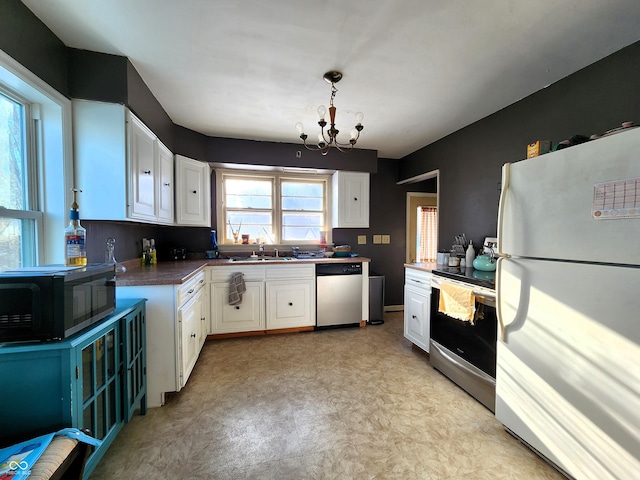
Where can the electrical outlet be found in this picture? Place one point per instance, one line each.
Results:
(362, 239)
(386, 239)
(377, 239)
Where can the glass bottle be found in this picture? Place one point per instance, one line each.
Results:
(214, 245)
(111, 258)
(75, 237)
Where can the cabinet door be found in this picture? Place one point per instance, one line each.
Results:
(205, 316)
(189, 332)
(246, 317)
(141, 144)
(135, 365)
(416, 317)
(350, 200)
(164, 200)
(289, 303)
(193, 192)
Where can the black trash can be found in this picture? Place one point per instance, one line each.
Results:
(376, 299)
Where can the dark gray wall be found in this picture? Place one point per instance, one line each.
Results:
(29, 41)
(595, 99)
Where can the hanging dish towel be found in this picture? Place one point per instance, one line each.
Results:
(236, 288)
(457, 302)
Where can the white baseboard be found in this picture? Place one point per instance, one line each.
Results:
(394, 308)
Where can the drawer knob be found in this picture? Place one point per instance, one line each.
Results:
(147, 172)
(193, 335)
(237, 308)
(414, 316)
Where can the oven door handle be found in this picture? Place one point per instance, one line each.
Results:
(442, 352)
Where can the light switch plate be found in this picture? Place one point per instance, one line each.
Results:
(377, 239)
(362, 239)
(386, 239)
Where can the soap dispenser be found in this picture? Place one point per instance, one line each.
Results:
(470, 255)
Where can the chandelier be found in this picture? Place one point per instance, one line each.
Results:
(330, 139)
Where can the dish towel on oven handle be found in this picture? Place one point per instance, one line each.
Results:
(457, 302)
(236, 288)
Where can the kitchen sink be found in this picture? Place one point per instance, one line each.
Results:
(261, 259)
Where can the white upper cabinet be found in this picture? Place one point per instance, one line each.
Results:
(165, 191)
(141, 144)
(350, 200)
(120, 166)
(193, 192)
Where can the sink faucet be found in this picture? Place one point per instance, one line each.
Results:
(261, 248)
(275, 252)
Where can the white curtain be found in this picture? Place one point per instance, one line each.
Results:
(427, 234)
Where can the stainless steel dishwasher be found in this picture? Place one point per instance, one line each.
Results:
(338, 294)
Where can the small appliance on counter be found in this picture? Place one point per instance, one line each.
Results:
(53, 302)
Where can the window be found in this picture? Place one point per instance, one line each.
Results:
(272, 208)
(427, 234)
(20, 221)
(36, 168)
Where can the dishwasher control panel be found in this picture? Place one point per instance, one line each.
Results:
(325, 269)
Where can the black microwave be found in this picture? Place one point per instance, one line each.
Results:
(53, 302)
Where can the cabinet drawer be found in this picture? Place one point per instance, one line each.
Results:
(290, 271)
(417, 279)
(223, 274)
(188, 289)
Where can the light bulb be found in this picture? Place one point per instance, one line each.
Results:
(322, 111)
(359, 118)
(354, 134)
(300, 128)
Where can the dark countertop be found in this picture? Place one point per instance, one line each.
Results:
(423, 266)
(178, 272)
(468, 275)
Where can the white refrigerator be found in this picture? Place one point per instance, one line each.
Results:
(568, 304)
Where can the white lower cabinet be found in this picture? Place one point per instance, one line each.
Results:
(277, 296)
(246, 317)
(290, 295)
(190, 324)
(417, 304)
(175, 314)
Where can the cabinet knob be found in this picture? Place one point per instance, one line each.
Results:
(193, 335)
(203, 318)
(147, 172)
(190, 291)
(194, 192)
(290, 304)
(237, 308)
(167, 184)
(413, 316)
(355, 199)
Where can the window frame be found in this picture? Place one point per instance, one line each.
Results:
(31, 205)
(52, 168)
(277, 178)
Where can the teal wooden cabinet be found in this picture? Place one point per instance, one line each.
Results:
(93, 380)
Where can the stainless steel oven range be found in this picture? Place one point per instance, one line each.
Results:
(466, 351)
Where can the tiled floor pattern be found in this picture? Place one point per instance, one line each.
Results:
(355, 403)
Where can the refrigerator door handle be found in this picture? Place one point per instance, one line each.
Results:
(506, 170)
(502, 328)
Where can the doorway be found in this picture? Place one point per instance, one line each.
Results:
(422, 227)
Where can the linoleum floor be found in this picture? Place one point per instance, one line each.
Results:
(354, 403)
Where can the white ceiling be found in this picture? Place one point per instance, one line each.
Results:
(418, 69)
